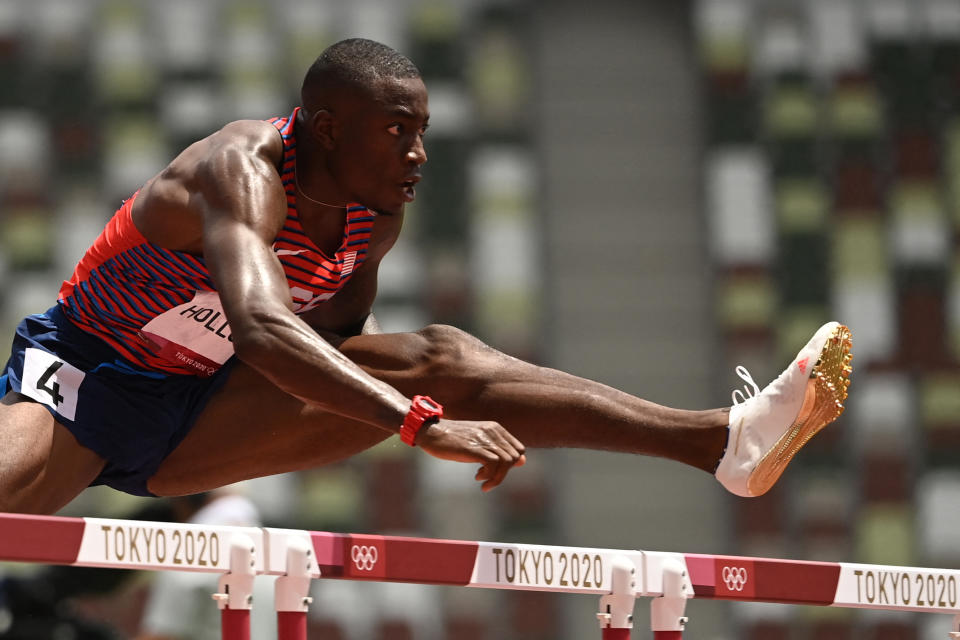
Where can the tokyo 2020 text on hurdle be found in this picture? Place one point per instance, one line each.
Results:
(619, 577)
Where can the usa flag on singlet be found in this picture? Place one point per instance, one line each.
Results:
(124, 288)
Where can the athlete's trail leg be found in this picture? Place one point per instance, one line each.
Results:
(42, 467)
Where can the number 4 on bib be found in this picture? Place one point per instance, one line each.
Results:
(51, 381)
(53, 389)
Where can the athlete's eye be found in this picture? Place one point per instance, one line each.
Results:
(394, 129)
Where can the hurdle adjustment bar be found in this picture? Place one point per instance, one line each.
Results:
(666, 611)
(616, 608)
(235, 589)
(292, 589)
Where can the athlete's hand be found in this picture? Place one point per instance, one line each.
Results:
(473, 441)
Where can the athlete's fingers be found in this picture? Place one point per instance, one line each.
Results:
(494, 468)
(499, 469)
(514, 442)
(508, 443)
(517, 456)
(489, 460)
(499, 476)
(487, 471)
(512, 453)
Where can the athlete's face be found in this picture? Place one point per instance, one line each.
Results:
(380, 143)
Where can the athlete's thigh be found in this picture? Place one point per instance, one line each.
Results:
(250, 428)
(42, 466)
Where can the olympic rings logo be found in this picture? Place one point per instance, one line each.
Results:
(364, 557)
(734, 577)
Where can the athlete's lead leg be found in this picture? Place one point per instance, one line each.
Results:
(548, 408)
(251, 428)
(543, 407)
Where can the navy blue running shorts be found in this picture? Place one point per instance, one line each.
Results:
(130, 416)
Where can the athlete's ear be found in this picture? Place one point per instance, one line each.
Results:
(324, 127)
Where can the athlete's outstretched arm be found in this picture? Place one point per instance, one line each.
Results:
(243, 205)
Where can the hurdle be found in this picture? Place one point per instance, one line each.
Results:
(619, 577)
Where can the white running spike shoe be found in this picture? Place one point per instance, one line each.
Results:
(768, 427)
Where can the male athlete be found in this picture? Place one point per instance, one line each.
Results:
(219, 329)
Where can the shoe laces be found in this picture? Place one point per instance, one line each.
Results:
(738, 396)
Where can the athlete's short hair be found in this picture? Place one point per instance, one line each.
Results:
(357, 62)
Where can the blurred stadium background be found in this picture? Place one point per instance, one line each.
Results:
(644, 193)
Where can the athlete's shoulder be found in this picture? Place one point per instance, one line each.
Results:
(257, 136)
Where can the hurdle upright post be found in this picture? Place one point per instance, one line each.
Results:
(666, 611)
(616, 608)
(292, 589)
(955, 629)
(235, 590)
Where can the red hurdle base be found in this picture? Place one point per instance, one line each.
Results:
(234, 624)
(291, 625)
(616, 634)
(667, 635)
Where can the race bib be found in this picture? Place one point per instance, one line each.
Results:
(51, 381)
(194, 334)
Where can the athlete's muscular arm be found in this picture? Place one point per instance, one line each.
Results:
(237, 191)
(242, 201)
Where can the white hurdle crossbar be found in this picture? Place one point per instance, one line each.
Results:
(619, 577)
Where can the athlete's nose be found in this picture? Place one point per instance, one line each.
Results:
(417, 154)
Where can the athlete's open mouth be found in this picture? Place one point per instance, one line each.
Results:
(409, 188)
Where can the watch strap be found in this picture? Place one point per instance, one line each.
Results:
(423, 410)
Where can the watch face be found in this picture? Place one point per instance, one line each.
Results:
(429, 405)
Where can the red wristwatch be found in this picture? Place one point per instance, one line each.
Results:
(423, 410)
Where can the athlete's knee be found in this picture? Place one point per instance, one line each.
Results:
(21, 463)
(451, 354)
(23, 487)
(42, 467)
(14, 487)
(444, 345)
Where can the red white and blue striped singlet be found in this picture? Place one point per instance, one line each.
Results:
(158, 307)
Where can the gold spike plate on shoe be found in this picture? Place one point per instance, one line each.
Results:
(822, 404)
